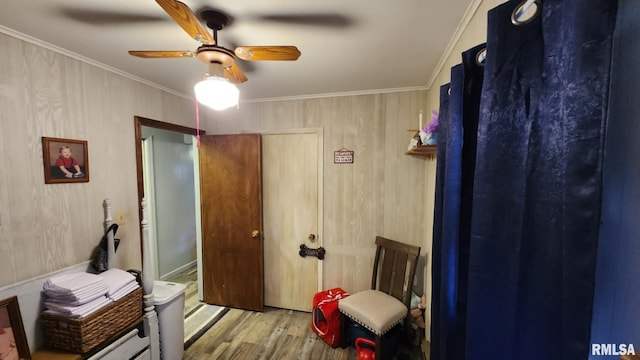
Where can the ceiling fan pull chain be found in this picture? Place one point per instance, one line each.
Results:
(197, 124)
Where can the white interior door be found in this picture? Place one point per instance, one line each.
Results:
(292, 203)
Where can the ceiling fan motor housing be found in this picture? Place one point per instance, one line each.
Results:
(211, 54)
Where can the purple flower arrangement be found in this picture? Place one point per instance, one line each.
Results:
(430, 132)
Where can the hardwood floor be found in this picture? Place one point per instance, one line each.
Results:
(271, 334)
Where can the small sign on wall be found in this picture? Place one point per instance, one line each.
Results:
(343, 156)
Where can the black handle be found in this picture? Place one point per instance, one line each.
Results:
(306, 251)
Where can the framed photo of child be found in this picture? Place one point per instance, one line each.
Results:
(13, 341)
(65, 160)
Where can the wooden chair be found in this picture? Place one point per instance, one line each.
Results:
(388, 301)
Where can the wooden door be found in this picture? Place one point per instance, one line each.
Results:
(231, 211)
(291, 209)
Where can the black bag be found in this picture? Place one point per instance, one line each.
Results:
(99, 261)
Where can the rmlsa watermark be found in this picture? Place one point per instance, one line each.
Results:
(612, 349)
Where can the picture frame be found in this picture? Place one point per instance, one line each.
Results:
(65, 160)
(13, 340)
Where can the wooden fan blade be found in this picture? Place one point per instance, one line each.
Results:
(235, 75)
(255, 53)
(323, 19)
(159, 54)
(107, 17)
(183, 15)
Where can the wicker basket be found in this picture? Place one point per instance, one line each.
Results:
(83, 335)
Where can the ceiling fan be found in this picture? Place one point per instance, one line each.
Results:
(217, 57)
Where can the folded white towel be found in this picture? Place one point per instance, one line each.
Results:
(116, 279)
(75, 289)
(71, 282)
(77, 311)
(84, 291)
(75, 300)
(124, 291)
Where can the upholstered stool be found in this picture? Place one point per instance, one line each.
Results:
(373, 309)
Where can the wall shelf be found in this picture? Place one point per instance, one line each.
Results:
(428, 151)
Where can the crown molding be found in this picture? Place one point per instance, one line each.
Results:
(462, 26)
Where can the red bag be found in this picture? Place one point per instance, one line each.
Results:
(325, 316)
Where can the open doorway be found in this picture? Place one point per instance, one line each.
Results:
(281, 145)
(167, 173)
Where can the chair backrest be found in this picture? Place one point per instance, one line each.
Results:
(394, 268)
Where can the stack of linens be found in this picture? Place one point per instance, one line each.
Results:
(120, 283)
(80, 294)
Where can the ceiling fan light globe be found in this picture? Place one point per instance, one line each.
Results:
(217, 93)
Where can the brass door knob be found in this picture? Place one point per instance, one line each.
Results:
(255, 233)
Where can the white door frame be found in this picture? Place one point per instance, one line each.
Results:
(196, 187)
(150, 196)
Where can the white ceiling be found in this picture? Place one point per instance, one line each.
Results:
(375, 45)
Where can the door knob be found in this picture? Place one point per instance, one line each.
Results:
(312, 237)
(255, 233)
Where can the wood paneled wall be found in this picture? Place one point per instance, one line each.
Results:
(384, 192)
(46, 227)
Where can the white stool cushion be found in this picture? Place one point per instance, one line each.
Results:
(374, 310)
